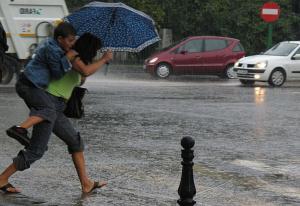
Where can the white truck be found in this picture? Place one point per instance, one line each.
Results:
(26, 23)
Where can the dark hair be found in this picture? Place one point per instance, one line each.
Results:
(64, 29)
(87, 46)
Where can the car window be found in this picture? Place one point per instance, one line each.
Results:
(238, 48)
(215, 44)
(298, 51)
(281, 49)
(191, 46)
(296, 55)
(173, 44)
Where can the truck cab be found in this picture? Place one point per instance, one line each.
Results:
(27, 22)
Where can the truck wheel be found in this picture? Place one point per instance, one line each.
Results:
(9, 66)
(7, 74)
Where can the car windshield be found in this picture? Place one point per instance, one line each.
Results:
(281, 49)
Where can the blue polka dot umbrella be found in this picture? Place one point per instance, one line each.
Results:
(120, 27)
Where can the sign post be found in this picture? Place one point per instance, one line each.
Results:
(270, 35)
(270, 12)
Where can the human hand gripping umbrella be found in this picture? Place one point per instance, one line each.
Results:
(120, 27)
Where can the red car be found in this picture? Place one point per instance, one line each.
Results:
(210, 55)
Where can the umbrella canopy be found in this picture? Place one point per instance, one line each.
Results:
(120, 27)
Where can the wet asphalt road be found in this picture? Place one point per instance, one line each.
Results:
(246, 153)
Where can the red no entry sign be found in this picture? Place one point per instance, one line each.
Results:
(270, 12)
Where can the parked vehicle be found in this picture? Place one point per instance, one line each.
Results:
(275, 66)
(26, 23)
(210, 55)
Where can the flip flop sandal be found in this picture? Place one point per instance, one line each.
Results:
(7, 186)
(97, 185)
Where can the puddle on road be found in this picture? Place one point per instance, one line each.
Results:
(19, 200)
(247, 182)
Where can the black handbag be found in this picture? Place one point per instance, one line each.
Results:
(74, 107)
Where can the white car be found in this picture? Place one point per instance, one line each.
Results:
(275, 66)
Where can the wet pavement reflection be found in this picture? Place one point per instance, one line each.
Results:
(246, 152)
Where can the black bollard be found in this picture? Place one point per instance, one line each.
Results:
(187, 188)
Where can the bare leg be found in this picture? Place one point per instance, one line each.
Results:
(79, 162)
(30, 121)
(6, 174)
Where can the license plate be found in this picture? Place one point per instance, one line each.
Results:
(242, 71)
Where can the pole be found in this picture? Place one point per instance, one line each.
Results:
(187, 188)
(270, 34)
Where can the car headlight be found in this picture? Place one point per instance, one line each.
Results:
(153, 60)
(236, 64)
(261, 65)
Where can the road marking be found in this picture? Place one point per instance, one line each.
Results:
(283, 190)
(259, 166)
(290, 170)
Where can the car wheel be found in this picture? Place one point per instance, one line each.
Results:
(229, 73)
(277, 78)
(163, 70)
(247, 82)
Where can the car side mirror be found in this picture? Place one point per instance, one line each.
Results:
(296, 57)
(183, 52)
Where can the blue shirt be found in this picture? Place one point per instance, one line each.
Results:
(48, 62)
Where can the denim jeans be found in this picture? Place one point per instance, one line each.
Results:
(46, 105)
(37, 100)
